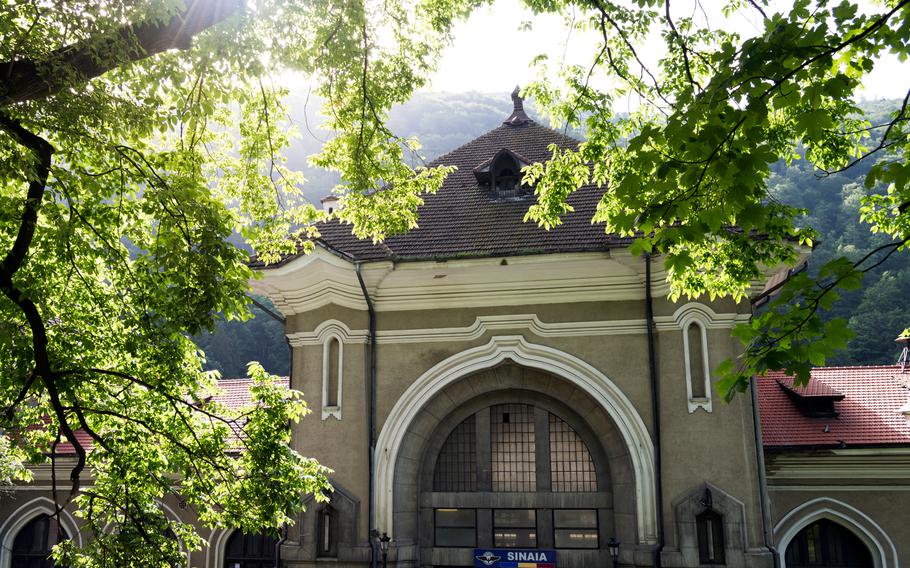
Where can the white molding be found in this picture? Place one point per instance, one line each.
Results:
(701, 316)
(517, 349)
(693, 402)
(325, 329)
(25, 513)
(214, 553)
(851, 518)
(489, 323)
(334, 410)
(708, 317)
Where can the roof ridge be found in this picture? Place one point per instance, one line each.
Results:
(488, 133)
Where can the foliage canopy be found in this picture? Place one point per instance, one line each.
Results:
(136, 137)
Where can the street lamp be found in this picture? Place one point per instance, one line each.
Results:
(613, 545)
(384, 540)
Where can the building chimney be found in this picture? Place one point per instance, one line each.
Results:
(904, 340)
(329, 203)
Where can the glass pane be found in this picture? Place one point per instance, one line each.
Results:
(515, 538)
(449, 536)
(575, 518)
(571, 466)
(515, 518)
(456, 466)
(455, 517)
(576, 538)
(512, 446)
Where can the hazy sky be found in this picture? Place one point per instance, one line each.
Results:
(490, 54)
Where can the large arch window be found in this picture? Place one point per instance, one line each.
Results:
(249, 551)
(826, 544)
(34, 542)
(516, 475)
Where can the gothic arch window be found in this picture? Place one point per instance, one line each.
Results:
(709, 526)
(327, 533)
(517, 457)
(34, 542)
(826, 544)
(332, 376)
(249, 551)
(697, 366)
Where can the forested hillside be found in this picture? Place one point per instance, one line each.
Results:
(877, 312)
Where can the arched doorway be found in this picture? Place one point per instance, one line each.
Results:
(249, 551)
(504, 365)
(34, 542)
(520, 470)
(826, 544)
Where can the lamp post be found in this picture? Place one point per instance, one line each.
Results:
(384, 540)
(613, 545)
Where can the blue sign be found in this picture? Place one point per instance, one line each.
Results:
(514, 558)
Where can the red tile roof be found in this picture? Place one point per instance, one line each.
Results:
(235, 393)
(869, 414)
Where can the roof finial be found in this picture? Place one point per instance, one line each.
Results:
(518, 116)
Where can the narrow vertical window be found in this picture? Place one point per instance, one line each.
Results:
(710, 528)
(698, 376)
(696, 361)
(327, 533)
(332, 364)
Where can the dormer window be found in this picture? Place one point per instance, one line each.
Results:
(814, 400)
(502, 174)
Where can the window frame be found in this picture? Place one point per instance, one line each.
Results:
(436, 527)
(496, 527)
(596, 530)
(331, 514)
(718, 542)
(694, 403)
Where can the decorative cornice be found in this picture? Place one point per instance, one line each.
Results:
(840, 464)
(493, 323)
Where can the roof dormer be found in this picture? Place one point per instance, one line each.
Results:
(814, 400)
(502, 174)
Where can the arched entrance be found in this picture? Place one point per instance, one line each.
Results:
(35, 541)
(826, 532)
(544, 381)
(514, 469)
(401, 446)
(826, 544)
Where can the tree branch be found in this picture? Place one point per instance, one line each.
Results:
(26, 79)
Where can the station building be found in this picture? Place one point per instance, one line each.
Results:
(482, 385)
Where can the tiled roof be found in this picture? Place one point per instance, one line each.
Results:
(463, 219)
(235, 393)
(868, 415)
